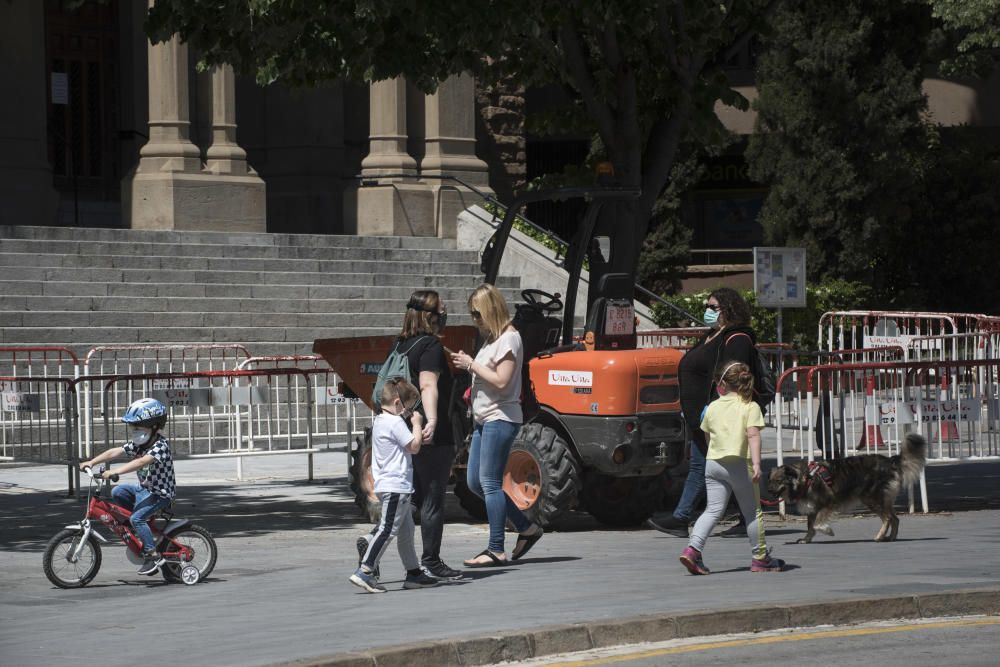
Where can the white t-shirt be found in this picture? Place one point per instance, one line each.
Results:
(392, 464)
(488, 402)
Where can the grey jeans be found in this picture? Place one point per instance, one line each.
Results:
(396, 521)
(722, 477)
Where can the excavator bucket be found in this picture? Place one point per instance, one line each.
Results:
(357, 360)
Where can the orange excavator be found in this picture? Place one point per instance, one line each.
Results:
(602, 418)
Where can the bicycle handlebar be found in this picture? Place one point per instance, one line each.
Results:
(100, 475)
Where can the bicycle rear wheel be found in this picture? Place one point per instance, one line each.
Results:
(56, 559)
(201, 542)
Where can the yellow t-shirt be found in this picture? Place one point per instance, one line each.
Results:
(726, 421)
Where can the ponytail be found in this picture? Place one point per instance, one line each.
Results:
(737, 377)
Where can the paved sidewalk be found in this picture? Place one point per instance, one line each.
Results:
(280, 589)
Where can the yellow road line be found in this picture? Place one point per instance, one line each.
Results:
(824, 634)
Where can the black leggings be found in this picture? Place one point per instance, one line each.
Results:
(431, 470)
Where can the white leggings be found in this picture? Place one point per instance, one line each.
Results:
(722, 477)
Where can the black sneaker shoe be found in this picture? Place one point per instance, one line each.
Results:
(362, 545)
(419, 581)
(670, 525)
(150, 564)
(441, 571)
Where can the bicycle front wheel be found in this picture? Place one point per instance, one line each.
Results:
(59, 566)
(200, 541)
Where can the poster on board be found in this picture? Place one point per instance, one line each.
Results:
(779, 277)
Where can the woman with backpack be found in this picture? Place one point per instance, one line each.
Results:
(731, 339)
(424, 319)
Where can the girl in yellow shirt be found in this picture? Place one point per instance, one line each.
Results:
(732, 426)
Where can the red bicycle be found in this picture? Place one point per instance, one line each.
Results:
(72, 557)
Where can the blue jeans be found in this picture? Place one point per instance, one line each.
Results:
(694, 485)
(488, 454)
(143, 504)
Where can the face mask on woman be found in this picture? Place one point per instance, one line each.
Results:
(711, 317)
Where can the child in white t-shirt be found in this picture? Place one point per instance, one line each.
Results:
(393, 444)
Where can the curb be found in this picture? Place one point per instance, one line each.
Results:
(550, 640)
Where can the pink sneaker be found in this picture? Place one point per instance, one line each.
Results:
(691, 559)
(768, 564)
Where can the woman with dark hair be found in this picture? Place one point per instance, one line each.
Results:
(730, 340)
(424, 319)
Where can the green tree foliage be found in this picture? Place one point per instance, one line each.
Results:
(841, 131)
(973, 29)
(647, 73)
(859, 174)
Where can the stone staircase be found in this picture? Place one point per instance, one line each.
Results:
(274, 293)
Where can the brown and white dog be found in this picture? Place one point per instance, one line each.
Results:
(821, 488)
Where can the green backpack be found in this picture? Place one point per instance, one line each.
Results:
(396, 365)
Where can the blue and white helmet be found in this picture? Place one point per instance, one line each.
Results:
(146, 412)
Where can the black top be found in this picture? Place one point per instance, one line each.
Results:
(425, 353)
(697, 370)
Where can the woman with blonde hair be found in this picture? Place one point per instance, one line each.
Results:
(497, 416)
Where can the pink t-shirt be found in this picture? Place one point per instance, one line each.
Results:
(490, 403)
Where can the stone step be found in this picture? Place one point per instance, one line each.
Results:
(208, 319)
(454, 301)
(72, 289)
(220, 238)
(167, 263)
(379, 275)
(92, 249)
(94, 336)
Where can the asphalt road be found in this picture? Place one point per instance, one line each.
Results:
(286, 548)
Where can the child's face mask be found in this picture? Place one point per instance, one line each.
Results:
(141, 436)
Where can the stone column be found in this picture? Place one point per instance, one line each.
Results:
(26, 193)
(169, 189)
(385, 203)
(450, 141)
(225, 156)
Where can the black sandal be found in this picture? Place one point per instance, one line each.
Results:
(493, 562)
(527, 541)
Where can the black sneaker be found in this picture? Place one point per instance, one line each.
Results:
(441, 571)
(151, 563)
(670, 525)
(419, 581)
(362, 545)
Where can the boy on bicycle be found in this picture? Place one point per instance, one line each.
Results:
(150, 454)
(393, 444)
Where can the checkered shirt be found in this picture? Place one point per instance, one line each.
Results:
(158, 476)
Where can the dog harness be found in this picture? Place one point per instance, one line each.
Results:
(821, 471)
(815, 471)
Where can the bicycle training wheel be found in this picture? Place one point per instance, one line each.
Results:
(198, 540)
(56, 559)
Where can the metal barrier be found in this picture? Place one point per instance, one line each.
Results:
(112, 360)
(941, 333)
(335, 416)
(213, 414)
(38, 420)
(24, 361)
(681, 338)
(863, 407)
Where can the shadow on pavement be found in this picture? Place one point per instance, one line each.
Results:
(29, 517)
